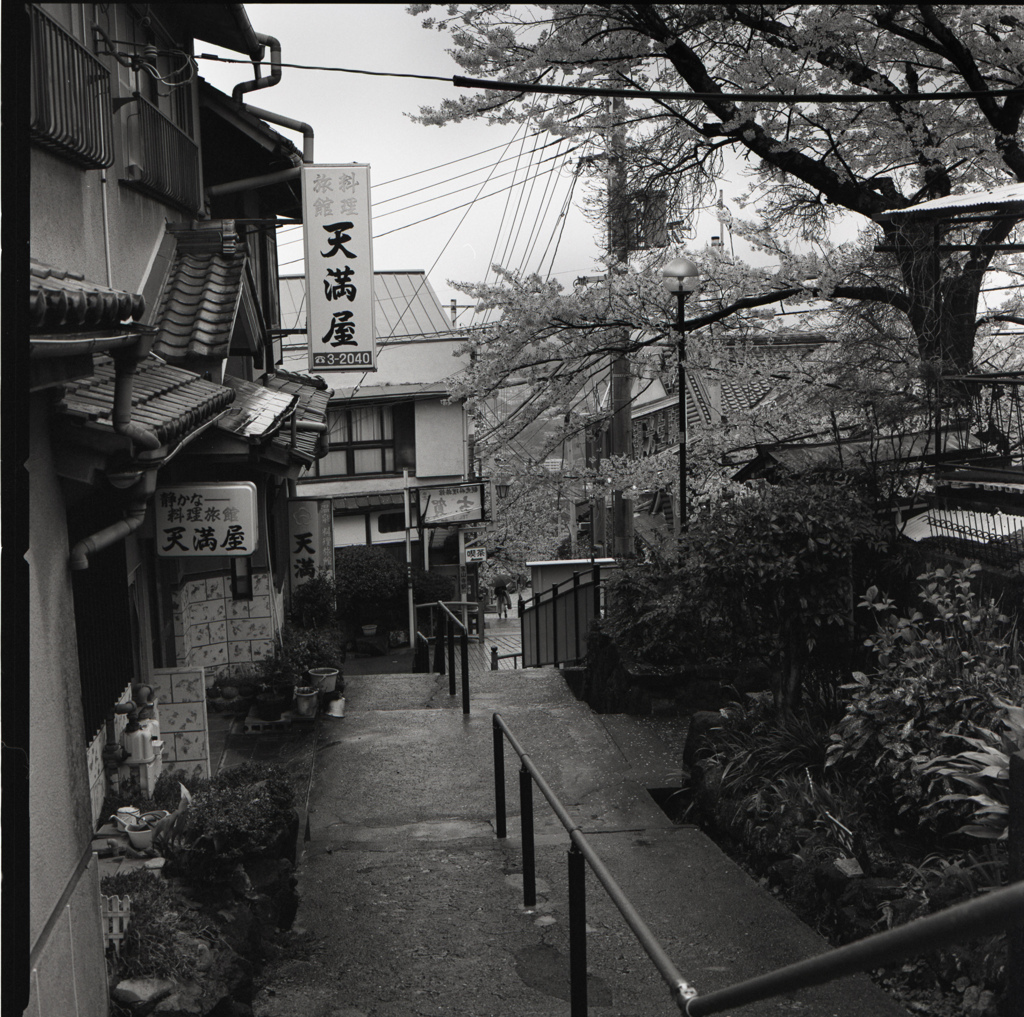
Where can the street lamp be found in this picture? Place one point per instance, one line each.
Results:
(681, 277)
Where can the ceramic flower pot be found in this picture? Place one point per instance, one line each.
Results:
(306, 698)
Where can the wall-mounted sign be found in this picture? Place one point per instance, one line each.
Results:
(476, 554)
(206, 520)
(442, 506)
(310, 539)
(339, 267)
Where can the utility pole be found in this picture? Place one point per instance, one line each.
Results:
(621, 434)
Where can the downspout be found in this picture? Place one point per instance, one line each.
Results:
(275, 67)
(116, 532)
(125, 363)
(279, 176)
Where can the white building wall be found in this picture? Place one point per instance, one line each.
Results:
(440, 440)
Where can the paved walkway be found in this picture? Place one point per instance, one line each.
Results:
(411, 906)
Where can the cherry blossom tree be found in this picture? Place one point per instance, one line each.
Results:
(813, 159)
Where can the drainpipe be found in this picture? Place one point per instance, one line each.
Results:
(125, 363)
(116, 532)
(275, 68)
(279, 176)
(296, 125)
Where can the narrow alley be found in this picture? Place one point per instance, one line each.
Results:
(411, 906)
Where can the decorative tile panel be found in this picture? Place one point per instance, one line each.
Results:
(183, 722)
(192, 746)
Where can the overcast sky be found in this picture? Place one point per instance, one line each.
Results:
(359, 118)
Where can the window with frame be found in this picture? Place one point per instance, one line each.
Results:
(365, 440)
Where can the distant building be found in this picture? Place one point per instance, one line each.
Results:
(397, 419)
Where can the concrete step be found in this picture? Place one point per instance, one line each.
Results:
(414, 907)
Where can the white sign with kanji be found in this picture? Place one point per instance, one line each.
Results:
(339, 267)
(441, 506)
(206, 520)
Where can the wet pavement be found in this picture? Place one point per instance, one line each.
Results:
(410, 905)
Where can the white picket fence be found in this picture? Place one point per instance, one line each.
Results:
(116, 913)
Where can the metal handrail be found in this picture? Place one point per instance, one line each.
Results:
(681, 991)
(464, 654)
(1000, 909)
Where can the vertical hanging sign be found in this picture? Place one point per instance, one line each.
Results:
(310, 539)
(339, 267)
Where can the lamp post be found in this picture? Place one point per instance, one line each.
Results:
(681, 277)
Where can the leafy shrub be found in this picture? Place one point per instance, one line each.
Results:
(765, 575)
(164, 932)
(242, 813)
(984, 770)
(939, 669)
(651, 614)
(313, 603)
(428, 587)
(298, 651)
(370, 583)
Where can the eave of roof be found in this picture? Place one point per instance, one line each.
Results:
(169, 401)
(1008, 198)
(61, 300)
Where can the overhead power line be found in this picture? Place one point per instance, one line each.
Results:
(459, 81)
(638, 93)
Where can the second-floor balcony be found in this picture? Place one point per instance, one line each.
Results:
(162, 159)
(69, 96)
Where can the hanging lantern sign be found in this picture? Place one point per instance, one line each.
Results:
(339, 267)
(206, 520)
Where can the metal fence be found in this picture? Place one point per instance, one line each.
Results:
(555, 622)
(986, 914)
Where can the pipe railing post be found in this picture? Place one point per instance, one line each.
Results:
(494, 658)
(499, 780)
(576, 615)
(577, 932)
(464, 640)
(554, 625)
(526, 827)
(1015, 936)
(439, 650)
(451, 654)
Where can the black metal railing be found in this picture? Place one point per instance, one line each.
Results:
(555, 622)
(164, 160)
(69, 95)
(1000, 909)
(446, 629)
(495, 657)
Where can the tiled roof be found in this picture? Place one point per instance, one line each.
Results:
(61, 300)
(167, 400)
(404, 304)
(310, 408)
(264, 411)
(306, 379)
(256, 412)
(200, 298)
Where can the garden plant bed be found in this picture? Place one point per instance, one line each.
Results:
(201, 926)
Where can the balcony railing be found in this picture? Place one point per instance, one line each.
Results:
(164, 160)
(70, 110)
